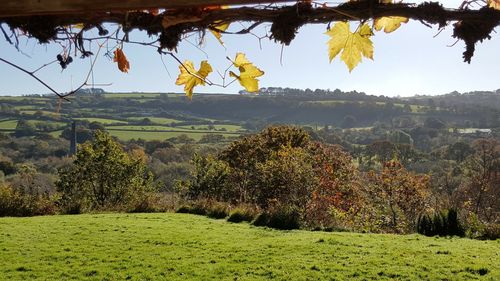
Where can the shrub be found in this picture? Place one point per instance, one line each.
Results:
(153, 202)
(217, 210)
(19, 204)
(241, 214)
(279, 218)
(444, 223)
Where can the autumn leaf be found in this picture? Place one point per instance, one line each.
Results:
(220, 26)
(248, 73)
(353, 45)
(121, 59)
(389, 24)
(494, 4)
(190, 78)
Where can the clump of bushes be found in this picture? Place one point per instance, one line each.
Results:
(444, 223)
(241, 214)
(284, 218)
(211, 209)
(16, 203)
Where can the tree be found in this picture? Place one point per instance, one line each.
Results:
(400, 196)
(103, 176)
(24, 129)
(480, 190)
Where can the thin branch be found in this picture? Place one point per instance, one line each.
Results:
(35, 77)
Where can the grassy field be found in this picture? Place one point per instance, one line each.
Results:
(157, 120)
(148, 135)
(188, 247)
(102, 120)
(8, 124)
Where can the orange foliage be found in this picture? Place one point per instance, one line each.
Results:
(121, 59)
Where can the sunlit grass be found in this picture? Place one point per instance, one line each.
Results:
(188, 247)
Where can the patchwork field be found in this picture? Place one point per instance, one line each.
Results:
(187, 247)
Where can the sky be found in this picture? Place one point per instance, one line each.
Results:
(413, 60)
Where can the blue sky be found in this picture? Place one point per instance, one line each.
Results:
(406, 62)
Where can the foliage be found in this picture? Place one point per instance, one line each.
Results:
(190, 78)
(248, 73)
(444, 223)
(353, 45)
(280, 217)
(102, 177)
(18, 203)
(242, 213)
(399, 195)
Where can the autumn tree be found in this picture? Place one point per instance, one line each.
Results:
(399, 196)
(482, 185)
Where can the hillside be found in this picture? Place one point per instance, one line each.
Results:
(188, 247)
(161, 116)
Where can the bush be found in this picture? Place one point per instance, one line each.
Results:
(241, 214)
(217, 210)
(281, 218)
(444, 223)
(211, 209)
(153, 202)
(18, 204)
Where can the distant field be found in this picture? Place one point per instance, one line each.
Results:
(138, 95)
(8, 124)
(45, 112)
(157, 120)
(148, 135)
(187, 247)
(229, 128)
(102, 120)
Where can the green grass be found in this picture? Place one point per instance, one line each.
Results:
(8, 124)
(229, 128)
(104, 121)
(188, 247)
(148, 135)
(157, 120)
(131, 95)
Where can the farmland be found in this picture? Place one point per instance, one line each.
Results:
(169, 246)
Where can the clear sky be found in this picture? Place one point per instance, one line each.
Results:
(406, 62)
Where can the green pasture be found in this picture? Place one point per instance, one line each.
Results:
(229, 128)
(188, 247)
(104, 121)
(148, 135)
(156, 120)
(8, 124)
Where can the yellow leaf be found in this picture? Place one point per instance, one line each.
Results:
(190, 78)
(221, 26)
(389, 24)
(248, 73)
(494, 4)
(78, 25)
(352, 45)
(121, 59)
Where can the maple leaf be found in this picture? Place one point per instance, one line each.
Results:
(389, 24)
(494, 4)
(190, 78)
(220, 26)
(353, 45)
(121, 59)
(248, 73)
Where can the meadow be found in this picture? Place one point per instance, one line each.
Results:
(167, 246)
